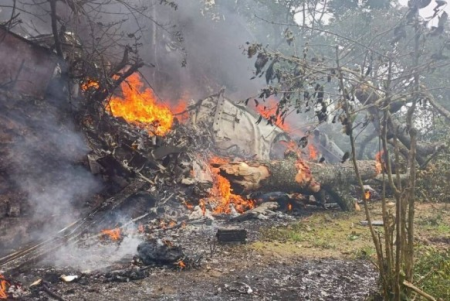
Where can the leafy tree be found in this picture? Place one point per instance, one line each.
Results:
(374, 64)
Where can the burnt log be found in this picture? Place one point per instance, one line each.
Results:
(296, 176)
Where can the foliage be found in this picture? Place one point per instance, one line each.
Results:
(433, 271)
(433, 181)
(373, 61)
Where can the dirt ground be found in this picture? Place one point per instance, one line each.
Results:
(317, 256)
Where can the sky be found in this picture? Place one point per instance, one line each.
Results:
(427, 11)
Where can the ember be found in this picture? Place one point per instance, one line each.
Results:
(181, 264)
(89, 84)
(139, 107)
(367, 195)
(3, 287)
(113, 234)
(289, 207)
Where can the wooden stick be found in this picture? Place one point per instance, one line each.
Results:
(418, 290)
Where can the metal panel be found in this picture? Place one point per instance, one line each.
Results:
(235, 127)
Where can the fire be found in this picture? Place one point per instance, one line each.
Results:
(291, 146)
(268, 110)
(89, 83)
(113, 234)
(181, 264)
(223, 192)
(139, 107)
(289, 207)
(172, 223)
(3, 287)
(312, 152)
(202, 206)
(180, 110)
(379, 162)
(367, 195)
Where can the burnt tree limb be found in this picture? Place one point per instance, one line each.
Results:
(296, 176)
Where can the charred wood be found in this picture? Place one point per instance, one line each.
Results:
(295, 176)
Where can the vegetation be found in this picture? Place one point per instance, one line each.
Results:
(374, 77)
(360, 70)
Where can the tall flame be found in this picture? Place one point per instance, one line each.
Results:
(139, 106)
(379, 162)
(3, 287)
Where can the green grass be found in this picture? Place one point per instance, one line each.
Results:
(432, 271)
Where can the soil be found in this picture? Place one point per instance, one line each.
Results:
(314, 256)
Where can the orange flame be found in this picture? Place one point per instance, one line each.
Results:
(291, 146)
(367, 195)
(202, 206)
(138, 106)
(172, 223)
(181, 264)
(113, 234)
(223, 192)
(180, 110)
(89, 83)
(379, 162)
(312, 152)
(289, 207)
(3, 287)
(268, 110)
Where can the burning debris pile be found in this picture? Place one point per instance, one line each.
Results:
(156, 170)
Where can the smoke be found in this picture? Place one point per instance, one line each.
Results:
(97, 256)
(212, 47)
(210, 42)
(46, 167)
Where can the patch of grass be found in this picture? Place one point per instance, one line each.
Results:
(293, 233)
(432, 271)
(323, 234)
(366, 252)
(323, 244)
(434, 223)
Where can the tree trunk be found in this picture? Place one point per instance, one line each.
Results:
(296, 176)
(369, 96)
